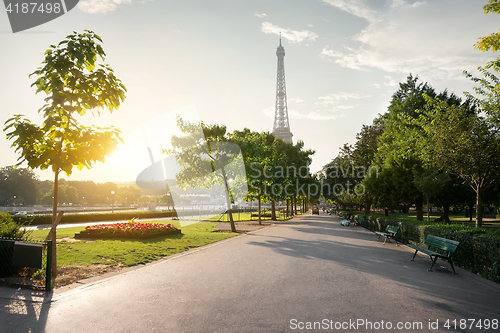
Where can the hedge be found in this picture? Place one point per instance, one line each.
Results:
(92, 217)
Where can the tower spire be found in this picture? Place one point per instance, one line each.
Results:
(281, 128)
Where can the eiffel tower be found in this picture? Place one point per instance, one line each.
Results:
(281, 127)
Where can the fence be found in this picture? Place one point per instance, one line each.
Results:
(24, 263)
(478, 255)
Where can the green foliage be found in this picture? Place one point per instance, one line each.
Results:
(487, 98)
(258, 150)
(19, 183)
(491, 41)
(205, 156)
(430, 182)
(494, 273)
(464, 140)
(10, 229)
(92, 217)
(72, 84)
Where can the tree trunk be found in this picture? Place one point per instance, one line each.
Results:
(386, 212)
(479, 209)
(273, 210)
(295, 204)
(445, 217)
(368, 205)
(420, 209)
(53, 235)
(228, 202)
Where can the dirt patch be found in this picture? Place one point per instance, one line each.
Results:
(68, 239)
(71, 274)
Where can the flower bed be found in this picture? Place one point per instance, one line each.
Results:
(131, 229)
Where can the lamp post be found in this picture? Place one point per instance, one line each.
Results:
(168, 200)
(112, 201)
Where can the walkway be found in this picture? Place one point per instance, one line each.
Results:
(308, 271)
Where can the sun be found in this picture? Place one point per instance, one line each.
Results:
(120, 156)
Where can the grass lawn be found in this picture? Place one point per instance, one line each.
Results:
(129, 252)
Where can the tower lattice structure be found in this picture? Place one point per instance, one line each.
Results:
(281, 128)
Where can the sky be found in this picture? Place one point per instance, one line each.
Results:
(344, 60)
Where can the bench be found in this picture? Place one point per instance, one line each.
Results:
(389, 233)
(447, 245)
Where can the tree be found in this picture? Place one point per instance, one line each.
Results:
(207, 159)
(20, 183)
(399, 150)
(73, 86)
(396, 151)
(257, 150)
(430, 182)
(464, 142)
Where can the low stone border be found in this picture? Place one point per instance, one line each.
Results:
(79, 235)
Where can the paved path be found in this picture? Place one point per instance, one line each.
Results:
(276, 279)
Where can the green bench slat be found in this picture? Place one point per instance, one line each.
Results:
(390, 232)
(448, 245)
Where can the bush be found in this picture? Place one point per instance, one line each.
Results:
(93, 217)
(10, 229)
(494, 274)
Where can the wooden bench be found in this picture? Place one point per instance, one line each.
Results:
(447, 245)
(389, 233)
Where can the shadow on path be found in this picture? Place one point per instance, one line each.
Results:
(355, 248)
(24, 310)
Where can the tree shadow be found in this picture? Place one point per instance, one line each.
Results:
(24, 310)
(358, 250)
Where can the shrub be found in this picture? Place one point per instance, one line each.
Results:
(10, 229)
(93, 217)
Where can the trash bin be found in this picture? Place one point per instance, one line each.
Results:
(27, 254)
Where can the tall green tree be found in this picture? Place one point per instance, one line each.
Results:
(257, 150)
(399, 151)
(207, 158)
(464, 142)
(396, 152)
(73, 86)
